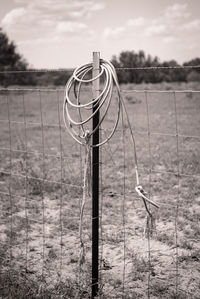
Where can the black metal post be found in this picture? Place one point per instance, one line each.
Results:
(95, 184)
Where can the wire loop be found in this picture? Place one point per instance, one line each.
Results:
(107, 71)
(104, 99)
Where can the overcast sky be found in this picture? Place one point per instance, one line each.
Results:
(64, 33)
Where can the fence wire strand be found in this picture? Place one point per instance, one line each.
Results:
(26, 182)
(9, 184)
(61, 186)
(54, 70)
(124, 203)
(178, 193)
(149, 192)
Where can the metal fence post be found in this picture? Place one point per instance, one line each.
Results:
(95, 181)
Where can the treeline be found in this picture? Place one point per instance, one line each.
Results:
(11, 60)
(127, 59)
(131, 59)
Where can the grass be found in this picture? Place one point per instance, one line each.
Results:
(39, 228)
(17, 284)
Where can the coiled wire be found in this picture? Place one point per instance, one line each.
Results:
(104, 99)
(81, 134)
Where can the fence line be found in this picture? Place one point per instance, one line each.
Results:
(44, 70)
(122, 90)
(55, 210)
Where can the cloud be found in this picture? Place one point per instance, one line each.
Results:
(13, 16)
(166, 26)
(176, 10)
(40, 41)
(62, 32)
(135, 22)
(74, 28)
(50, 17)
(169, 39)
(63, 8)
(193, 25)
(70, 27)
(113, 32)
(116, 32)
(157, 29)
(97, 6)
(169, 26)
(169, 23)
(49, 12)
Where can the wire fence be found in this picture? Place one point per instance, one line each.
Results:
(44, 70)
(41, 188)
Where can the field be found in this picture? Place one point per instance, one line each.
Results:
(41, 190)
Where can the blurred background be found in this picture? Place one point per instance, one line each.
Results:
(63, 34)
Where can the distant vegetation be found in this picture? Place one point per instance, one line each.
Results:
(10, 60)
(133, 59)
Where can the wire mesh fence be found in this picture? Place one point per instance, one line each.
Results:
(42, 184)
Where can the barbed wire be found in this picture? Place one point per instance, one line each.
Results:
(54, 70)
(10, 89)
(158, 68)
(43, 70)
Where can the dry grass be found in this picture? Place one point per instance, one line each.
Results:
(39, 226)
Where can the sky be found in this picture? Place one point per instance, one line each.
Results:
(64, 33)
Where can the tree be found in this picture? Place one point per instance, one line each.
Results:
(193, 62)
(136, 60)
(170, 73)
(129, 59)
(10, 60)
(193, 74)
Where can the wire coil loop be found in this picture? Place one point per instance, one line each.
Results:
(107, 71)
(82, 135)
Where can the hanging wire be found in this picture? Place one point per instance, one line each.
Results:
(82, 204)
